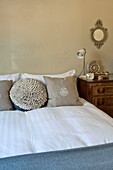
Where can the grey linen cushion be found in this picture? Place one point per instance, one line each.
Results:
(5, 103)
(27, 94)
(62, 91)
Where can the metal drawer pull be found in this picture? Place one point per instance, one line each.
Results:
(98, 90)
(98, 102)
(101, 91)
(101, 101)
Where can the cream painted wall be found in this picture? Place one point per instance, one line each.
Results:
(43, 36)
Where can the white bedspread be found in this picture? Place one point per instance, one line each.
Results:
(49, 129)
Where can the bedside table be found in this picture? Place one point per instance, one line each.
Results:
(99, 93)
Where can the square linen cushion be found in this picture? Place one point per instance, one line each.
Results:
(62, 91)
(5, 103)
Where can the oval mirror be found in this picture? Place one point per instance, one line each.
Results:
(99, 34)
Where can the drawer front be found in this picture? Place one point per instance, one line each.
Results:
(108, 110)
(103, 101)
(102, 90)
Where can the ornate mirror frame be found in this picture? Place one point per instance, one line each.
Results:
(99, 34)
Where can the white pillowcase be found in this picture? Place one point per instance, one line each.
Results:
(40, 77)
(13, 77)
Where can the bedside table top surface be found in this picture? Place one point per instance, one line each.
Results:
(96, 80)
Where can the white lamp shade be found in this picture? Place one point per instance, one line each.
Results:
(81, 53)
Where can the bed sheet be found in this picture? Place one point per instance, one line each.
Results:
(53, 128)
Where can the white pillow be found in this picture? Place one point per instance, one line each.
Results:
(40, 77)
(13, 77)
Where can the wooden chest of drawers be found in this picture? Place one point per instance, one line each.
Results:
(99, 93)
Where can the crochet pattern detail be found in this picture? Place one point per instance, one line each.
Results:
(28, 94)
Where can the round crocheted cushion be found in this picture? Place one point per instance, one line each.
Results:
(28, 94)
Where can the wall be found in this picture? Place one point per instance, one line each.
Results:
(43, 36)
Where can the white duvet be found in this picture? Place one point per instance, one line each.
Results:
(50, 129)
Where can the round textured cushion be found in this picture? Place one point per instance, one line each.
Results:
(28, 94)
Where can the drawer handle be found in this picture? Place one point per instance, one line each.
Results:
(101, 102)
(99, 91)
(98, 102)
(103, 90)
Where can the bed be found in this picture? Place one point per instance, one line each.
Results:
(64, 137)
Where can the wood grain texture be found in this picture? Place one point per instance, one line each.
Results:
(99, 93)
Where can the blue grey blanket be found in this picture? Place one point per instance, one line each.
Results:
(88, 158)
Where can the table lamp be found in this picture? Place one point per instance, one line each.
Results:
(81, 55)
